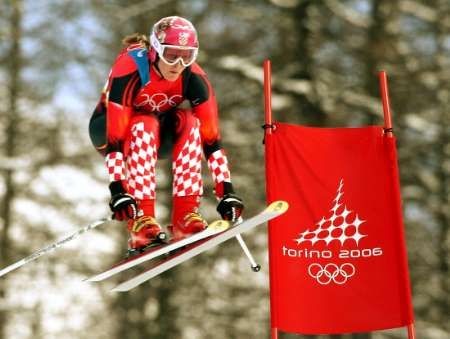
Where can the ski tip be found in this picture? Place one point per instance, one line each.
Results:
(219, 225)
(92, 279)
(278, 206)
(116, 290)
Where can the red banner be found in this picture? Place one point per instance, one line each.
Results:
(337, 257)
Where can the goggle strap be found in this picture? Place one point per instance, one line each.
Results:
(155, 42)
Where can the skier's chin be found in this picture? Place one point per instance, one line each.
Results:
(172, 76)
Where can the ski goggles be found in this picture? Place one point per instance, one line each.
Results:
(172, 55)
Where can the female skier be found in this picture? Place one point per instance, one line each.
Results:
(139, 118)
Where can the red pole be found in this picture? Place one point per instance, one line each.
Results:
(411, 331)
(388, 130)
(268, 128)
(268, 96)
(274, 333)
(386, 105)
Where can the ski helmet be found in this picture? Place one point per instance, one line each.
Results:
(174, 39)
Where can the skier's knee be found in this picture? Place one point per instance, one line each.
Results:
(139, 126)
(185, 121)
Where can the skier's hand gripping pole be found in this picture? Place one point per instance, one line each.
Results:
(230, 207)
(122, 204)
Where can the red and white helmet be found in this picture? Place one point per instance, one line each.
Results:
(174, 39)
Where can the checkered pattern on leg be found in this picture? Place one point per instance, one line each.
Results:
(116, 166)
(186, 168)
(141, 163)
(218, 166)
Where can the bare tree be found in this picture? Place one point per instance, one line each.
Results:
(11, 111)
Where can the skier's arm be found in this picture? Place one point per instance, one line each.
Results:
(121, 88)
(202, 98)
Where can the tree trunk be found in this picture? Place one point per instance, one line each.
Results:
(308, 106)
(379, 45)
(443, 153)
(12, 117)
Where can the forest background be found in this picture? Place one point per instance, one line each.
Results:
(54, 59)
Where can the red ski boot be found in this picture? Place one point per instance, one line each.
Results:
(186, 220)
(144, 230)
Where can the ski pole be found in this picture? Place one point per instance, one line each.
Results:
(255, 267)
(53, 246)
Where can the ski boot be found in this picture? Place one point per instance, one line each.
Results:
(186, 220)
(191, 223)
(145, 232)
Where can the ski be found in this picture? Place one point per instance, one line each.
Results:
(273, 210)
(213, 228)
(53, 246)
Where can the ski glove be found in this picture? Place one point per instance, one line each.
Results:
(122, 204)
(230, 207)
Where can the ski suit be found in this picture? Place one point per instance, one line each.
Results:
(139, 118)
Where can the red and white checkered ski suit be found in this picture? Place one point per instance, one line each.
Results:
(133, 123)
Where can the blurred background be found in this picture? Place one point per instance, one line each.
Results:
(54, 59)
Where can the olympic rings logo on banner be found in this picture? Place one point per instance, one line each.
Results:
(158, 101)
(331, 273)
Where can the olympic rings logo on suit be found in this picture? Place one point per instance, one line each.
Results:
(158, 101)
(331, 273)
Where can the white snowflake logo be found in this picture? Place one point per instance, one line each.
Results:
(339, 226)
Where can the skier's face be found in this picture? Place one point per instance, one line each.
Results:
(170, 72)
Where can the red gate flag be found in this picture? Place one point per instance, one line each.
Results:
(337, 257)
